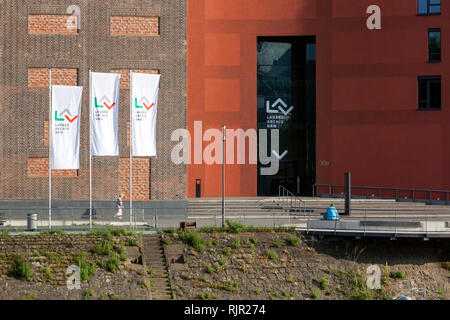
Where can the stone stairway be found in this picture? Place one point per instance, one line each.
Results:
(154, 260)
(260, 206)
(234, 206)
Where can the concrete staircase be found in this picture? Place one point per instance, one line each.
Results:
(154, 260)
(235, 207)
(376, 207)
(263, 206)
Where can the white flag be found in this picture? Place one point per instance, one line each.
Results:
(145, 88)
(104, 113)
(66, 111)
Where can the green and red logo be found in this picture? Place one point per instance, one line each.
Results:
(104, 102)
(144, 103)
(65, 115)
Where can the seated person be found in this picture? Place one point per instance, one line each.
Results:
(331, 214)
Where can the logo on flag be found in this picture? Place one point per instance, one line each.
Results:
(66, 108)
(104, 102)
(144, 95)
(144, 103)
(104, 113)
(65, 115)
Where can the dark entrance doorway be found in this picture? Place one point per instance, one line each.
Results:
(287, 102)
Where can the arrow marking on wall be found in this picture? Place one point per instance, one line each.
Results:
(278, 156)
(287, 111)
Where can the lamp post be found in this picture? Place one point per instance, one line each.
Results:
(223, 175)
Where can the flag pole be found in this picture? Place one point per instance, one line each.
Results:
(131, 146)
(90, 150)
(50, 151)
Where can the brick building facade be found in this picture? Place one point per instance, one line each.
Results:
(113, 36)
(360, 97)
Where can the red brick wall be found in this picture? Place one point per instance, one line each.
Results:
(52, 24)
(134, 26)
(125, 75)
(20, 50)
(141, 178)
(38, 77)
(46, 133)
(38, 168)
(128, 133)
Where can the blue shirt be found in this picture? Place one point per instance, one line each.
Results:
(332, 213)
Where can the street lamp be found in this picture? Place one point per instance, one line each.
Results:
(223, 175)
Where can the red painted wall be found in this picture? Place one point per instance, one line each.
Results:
(367, 118)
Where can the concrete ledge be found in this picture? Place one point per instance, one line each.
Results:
(393, 224)
(18, 209)
(330, 224)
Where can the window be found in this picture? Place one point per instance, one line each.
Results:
(434, 45)
(429, 7)
(429, 93)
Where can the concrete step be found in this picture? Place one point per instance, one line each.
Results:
(155, 260)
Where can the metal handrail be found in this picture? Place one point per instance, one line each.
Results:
(289, 199)
(379, 191)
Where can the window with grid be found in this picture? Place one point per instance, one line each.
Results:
(426, 7)
(434, 45)
(429, 93)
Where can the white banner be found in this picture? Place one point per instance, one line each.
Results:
(104, 113)
(145, 89)
(66, 111)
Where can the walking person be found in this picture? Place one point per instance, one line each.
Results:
(119, 207)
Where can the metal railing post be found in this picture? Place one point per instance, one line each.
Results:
(273, 218)
(365, 220)
(304, 209)
(395, 223)
(335, 226)
(307, 223)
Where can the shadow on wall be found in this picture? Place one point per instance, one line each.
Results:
(381, 250)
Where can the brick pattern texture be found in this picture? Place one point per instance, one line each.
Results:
(38, 168)
(46, 136)
(125, 75)
(128, 133)
(93, 48)
(61, 24)
(134, 26)
(140, 180)
(38, 77)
